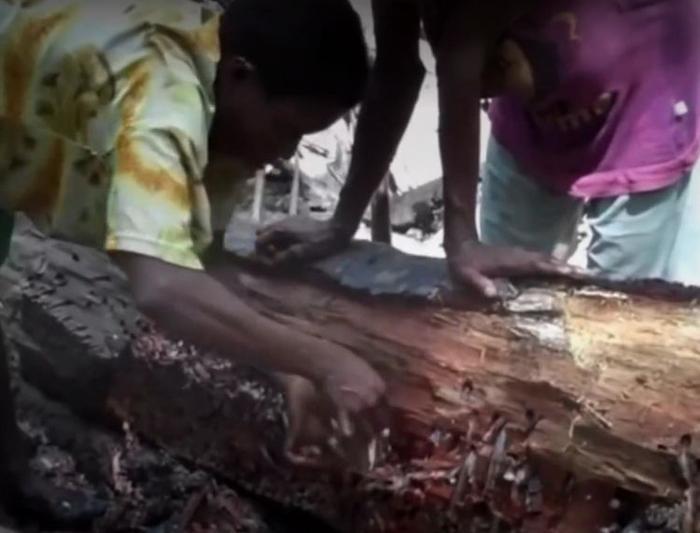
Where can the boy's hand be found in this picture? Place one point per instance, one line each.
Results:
(475, 264)
(360, 420)
(301, 239)
(354, 388)
(307, 415)
(340, 425)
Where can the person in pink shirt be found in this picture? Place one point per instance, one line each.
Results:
(606, 128)
(595, 114)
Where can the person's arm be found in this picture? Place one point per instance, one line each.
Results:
(392, 94)
(460, 61)
(468, 35)
(159, 217)
(192, 305)
(308, 414)
(214, 299)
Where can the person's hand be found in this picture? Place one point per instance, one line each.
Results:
(354, 388)
(361, 416)
(344, 423)
(308, 420)
(301, 239)
(475, 264)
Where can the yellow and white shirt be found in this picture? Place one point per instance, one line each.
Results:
(105, 108)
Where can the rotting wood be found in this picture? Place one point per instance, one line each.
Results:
(515, 404)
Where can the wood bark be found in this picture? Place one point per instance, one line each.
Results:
(524, 404)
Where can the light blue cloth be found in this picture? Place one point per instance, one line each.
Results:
(645, 235)
(684, 263)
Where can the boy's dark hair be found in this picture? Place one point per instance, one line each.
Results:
(306, 48)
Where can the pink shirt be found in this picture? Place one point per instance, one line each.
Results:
(617, 96)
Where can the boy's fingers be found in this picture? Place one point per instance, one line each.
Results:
(276, 238)
(550, 267)
(308, 432)
(560, 268)
(345, 425)
(293, 254)
(524, 263)
(580, 273)
(319, 455)
(304, 461)
(267, 233)
(307, 441)
(378, 440)
(485, 286)
(304, 252)
(266, 246)
(292, 436)
(295, 421)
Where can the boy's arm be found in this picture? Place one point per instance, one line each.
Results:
(394, 87)
(468, 35)
(192, 305)
(158, 218)
(305, 410)
(393, 92)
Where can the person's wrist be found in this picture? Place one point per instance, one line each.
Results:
(343, 226)
(456, 245)
(459, 229)
(323, 358)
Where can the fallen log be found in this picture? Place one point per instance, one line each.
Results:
(519, 407)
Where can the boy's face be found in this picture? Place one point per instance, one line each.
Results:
(257, 129)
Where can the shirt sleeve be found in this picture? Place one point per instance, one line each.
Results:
(157, 204)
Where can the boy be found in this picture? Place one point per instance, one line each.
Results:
(598, 105)
(109, 114)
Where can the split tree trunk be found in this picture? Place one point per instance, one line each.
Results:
(519, 404)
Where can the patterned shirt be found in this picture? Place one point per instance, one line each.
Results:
(105, 108)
